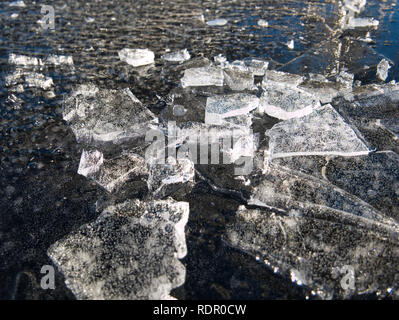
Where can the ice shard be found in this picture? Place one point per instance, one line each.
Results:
(287, 103)
(98, 116)
(112, 173)
(383, 69)
(217, 22)
(203, 76)
(220, 107)
(238, 80)
(322, 132)
(362, 23)
(277, 78)
(136, 57)
(178, 56)
(130, 252)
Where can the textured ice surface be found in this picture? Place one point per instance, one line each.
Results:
(136, 57)
(111, 174)
(220, 107)
(204, 76)
(277, 78)
(178, 56)
(217, 22)
(312, 244)
(99, 116)
(382, 69)
(166, 179)
(362, 23)
(238, 80)
(287, 103)
(323, 132)
(130, 252)
(255, 66)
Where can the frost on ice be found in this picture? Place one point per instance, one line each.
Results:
(287, 103)
(99, 116)
(136, 57)
(130, 252)
(203, 76)
(111, 174)
(322, 132)
(220, 107)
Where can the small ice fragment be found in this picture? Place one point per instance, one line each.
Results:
(220, 59)
(322, 132)
(238, 80)
(290, 44)
(204, 76)
(90, 20)
(18, 3)
(282, 79)
(345, 78)
(263, 23)
(130, 252)
(136, 57)
(59, 60)
(178, 56)
(355, 5)
(14, 15)
(111, 174)
(362, 23)
(22, 60)
(217, 22)
(256, 66)
(220, 107)
(287, 103)
(166, 179)
(382, 69)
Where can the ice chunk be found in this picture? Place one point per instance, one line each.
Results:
(166, 179)
(18, 3)
(204, 76)
(287, 103)
(362, 23)
(355, 5)
(315, 245)
(382, 69)
(238, 80)
(178, 56)
(323, 132)
(130, 252)
(254, 66)
(217, 22)
(59, 60)
(136, 57)
(290, 44)
(220, 107)
(103, 116)
(111, 174)
(22, 60)
(345, 78)
(263, 23)
(29, 79)
(278, 78)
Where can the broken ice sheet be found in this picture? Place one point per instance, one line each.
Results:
(112, 173)
(308, 243)
(178, 56)
(217, 22)
(97, 116)
(220, 107)
(130, 252)
(136, 57)
(251, 65)
(322, 132)
(203, 76)
(362, 23)
(238, 80)
(274, 78)
(287, 103)
(174, 175)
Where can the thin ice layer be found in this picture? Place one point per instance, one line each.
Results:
(203, 76)
(220, 107)
(287, 103)
(113, 173)
(130, 252)
(98, 116)
(316, 246)
(323, 132)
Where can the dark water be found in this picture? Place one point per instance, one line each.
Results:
(42, 198)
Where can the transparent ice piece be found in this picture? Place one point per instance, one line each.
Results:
(238, 80)
(111, 174)
(136, 57)
(277, 78)
(217, 22)
(355, 5)
(354, 23)
(130, 252)
(103, 116)
(204, 76)
(220, 107)
(287, 103)
(178, 56)
(174, 175)
(323, 132)
(383, 69)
